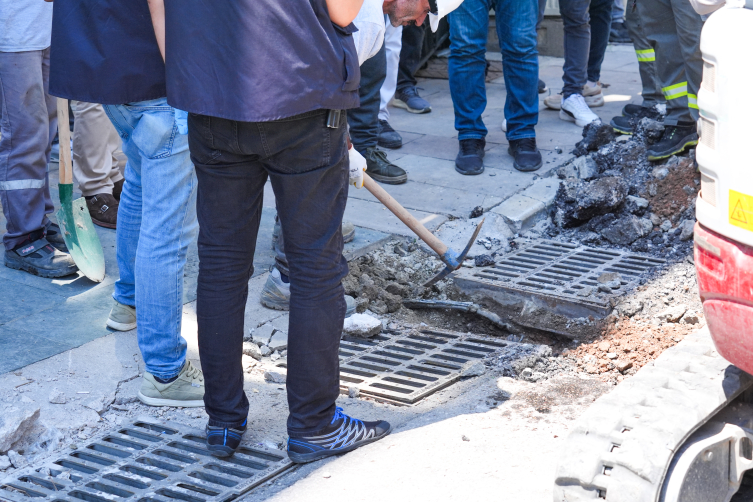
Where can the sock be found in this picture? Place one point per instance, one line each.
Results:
(169, 380)
(284, 278)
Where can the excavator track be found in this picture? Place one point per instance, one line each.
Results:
(620, 449)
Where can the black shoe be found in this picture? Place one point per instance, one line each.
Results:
(381, 169)
(470, 159)
(638, 112)
(55, 237)
(542, 86)
(344, 434)
(619, 34)
(387, 137)
(622, 125)
(675, 140)
(527, 156)
(409, 99)
(40, 258)
(223, 441)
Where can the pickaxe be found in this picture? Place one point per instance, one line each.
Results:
(449, 257)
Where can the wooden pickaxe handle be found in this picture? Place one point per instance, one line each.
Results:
(410, 221)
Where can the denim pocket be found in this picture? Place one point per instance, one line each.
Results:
(201, 139)
(350, 57)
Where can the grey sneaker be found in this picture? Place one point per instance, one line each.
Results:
(40, 258)
(276, 294)
(122, 317)
(187, 390)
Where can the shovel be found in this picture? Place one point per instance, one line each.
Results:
(449, 257)
(73, 216)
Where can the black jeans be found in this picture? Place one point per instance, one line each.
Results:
(410, 55)
(364, 119)
(307, 163)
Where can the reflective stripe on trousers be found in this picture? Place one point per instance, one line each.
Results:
(646, 55)
(21, 184)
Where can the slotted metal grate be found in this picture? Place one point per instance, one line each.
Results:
(406, 368)
(559, 271)
(146, 462)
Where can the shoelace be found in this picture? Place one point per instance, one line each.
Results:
(579, 103)
(411, 92)
(471, 146)
(527, 145)
(381, 154)
(193, 372)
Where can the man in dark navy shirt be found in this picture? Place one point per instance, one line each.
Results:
(105, 51)
(266, 84)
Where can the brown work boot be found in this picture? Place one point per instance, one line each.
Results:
(103, 209)
(117, 189)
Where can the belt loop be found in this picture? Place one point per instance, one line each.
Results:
(333, 119)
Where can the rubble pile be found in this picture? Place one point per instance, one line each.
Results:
(611, 195)
(531, 362)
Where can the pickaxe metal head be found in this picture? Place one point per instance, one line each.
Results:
(453, 260)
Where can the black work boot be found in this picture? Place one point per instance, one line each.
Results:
(387, 137)
(381, 169)
(103, 209)
(527, 156)
(40, 258)
(676, 139)
(55, 237)
(470, 159)
(622, 125)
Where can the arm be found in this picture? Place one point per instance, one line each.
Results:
(157, 10)
(341, 12)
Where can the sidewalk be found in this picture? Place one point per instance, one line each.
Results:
(64, 320)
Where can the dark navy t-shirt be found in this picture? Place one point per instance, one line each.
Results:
(258, 60)
(105, 51)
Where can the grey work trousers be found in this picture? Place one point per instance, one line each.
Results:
(98, 161)
(673, 29)
(27, 126)
(651, 91)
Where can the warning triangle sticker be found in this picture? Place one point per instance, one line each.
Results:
(738, 214)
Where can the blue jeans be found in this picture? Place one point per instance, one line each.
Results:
(156, 223)
(586, 24)
(516, 27)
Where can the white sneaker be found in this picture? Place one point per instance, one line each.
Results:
(504, 125)
(575, 109)
(591, 94)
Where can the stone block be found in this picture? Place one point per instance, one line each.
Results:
(279, 341)
(263, 334)
(16, 421)
(521, 212)
(543, 190)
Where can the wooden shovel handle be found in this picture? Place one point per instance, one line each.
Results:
(64, 135)
(421, 231)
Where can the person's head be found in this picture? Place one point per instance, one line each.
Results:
(404, 12)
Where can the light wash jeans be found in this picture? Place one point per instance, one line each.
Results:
(156, 223)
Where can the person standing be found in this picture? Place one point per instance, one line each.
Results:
(387, 137)
(156, 215)
(406, 94)
(516, 27)
(28, 124)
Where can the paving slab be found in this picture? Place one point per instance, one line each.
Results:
(520, 212)
(374, 215)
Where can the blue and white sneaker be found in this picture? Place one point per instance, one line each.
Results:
(343, 435)
(223, 441)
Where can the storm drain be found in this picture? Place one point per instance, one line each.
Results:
(146, 462)
(405, 368)
(559, 273)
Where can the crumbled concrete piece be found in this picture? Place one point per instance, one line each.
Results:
(17, 459)
(16, 421)
(636, 205)
(265, 351)
(252, 350)
(4, 462)
(473, 368)
(279, 341)
(630, 308)
(465, 438)
(526, 373)
(353, 392)
(587, 291)
(587, 168)
(57, 397)
(604, 288)
(666, 226)
(626, 230)
(263, 333)
(362, 325)
(580, 201)
(604, 346)
(362, 304)
(690, 317)
(623, 366)
(660, 172)
(483, 260)
(100, 403)
(673, 314)
(247, 362)
(655, 219)
(274, 377)
(595, 135)
(275, 356)
(567, 171)
(611, 355)
(614, 284)
(686, 230)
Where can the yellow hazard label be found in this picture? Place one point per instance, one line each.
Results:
(741, 210)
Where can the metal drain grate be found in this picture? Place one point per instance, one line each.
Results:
(553, 270)
(406, 368)
(146, 462)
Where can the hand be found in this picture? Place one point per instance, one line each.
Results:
(181, 120)
(357, 168)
